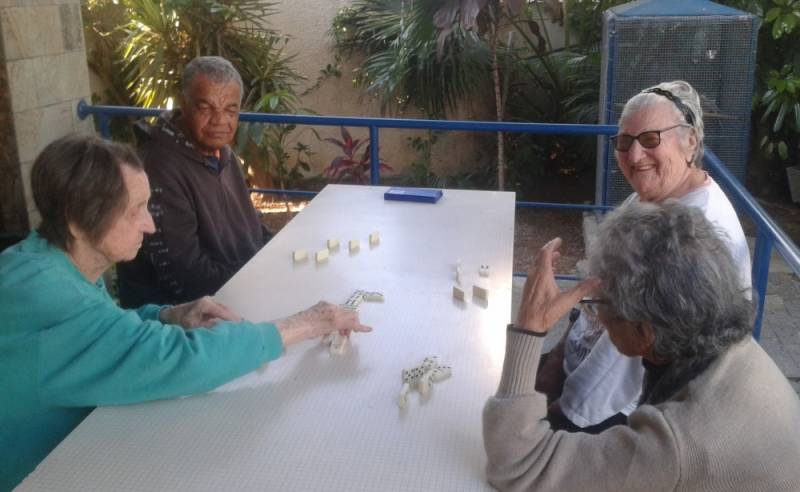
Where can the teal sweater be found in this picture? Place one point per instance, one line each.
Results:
(66, 347)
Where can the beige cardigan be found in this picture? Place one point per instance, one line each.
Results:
(735, 427)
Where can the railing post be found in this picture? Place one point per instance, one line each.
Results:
(105, 126)
(761, 258)
(82, 109)
(375, 160)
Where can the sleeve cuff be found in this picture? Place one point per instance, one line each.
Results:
(520, 364)
(150, 312)
(273, 342)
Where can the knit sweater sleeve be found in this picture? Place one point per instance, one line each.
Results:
(94, 353)
(525, 454)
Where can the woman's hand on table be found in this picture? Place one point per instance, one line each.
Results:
(204, 312)
(319, 320)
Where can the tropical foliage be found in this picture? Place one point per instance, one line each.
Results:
(401, 65)
(776, 104)
(139, 48)
(350, 167)
(434, 55)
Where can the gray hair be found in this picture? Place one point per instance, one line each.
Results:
(686, 94)
(215, 68)
(668, 266)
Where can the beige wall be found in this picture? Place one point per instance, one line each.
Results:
(45, 64)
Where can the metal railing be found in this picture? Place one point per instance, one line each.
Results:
(768, 235)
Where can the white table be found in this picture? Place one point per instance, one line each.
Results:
(313, 421)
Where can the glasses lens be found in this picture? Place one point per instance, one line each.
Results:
(590, 309)
(623, 143)
(650, 140)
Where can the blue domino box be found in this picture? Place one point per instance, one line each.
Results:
(424, 195)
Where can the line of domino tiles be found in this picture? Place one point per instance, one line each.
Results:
(333, 244)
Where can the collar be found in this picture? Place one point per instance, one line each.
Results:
(167, 128)
(36, 244)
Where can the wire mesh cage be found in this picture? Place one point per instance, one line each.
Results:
(711, 46)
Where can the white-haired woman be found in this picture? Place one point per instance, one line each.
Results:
(716, 413)
(659, 149)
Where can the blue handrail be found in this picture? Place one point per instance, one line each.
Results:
(769, 233)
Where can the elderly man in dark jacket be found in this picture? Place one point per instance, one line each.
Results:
(206, 226)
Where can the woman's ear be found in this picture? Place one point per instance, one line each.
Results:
(647, 339)
(691, 145)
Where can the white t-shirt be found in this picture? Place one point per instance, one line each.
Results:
(600, 381)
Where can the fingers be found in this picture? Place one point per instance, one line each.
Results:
(351, 322)
(209, 322)
(545, 258)
(213, 309)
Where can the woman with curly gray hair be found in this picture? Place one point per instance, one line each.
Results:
(716, 413)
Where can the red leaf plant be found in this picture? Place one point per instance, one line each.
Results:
(350, 167)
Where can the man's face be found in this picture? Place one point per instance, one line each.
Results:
(211, 113)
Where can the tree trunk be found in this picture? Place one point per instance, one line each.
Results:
(498, 100)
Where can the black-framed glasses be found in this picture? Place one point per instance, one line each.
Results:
(649, 139)
(592, 306)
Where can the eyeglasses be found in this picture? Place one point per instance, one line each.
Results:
(649, 139)
(592, 306)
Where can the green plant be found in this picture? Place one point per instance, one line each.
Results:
(351, 167)
(784, 17)
(419, 172)
(775, 127)
(400, 65)
(586, 22)
(157, 38)
(781, 105)
(779, 98)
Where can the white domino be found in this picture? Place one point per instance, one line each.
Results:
(483, 270)
(458, 293)
(373, 297)
(374, 239)
(480, 292)
(355, 245)
(322, 255)
(422, 378)
(338, 344)
(299, 255)
(333, 244)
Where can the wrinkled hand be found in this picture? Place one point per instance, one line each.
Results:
(204, 312)
(543, 303)
(319, 320)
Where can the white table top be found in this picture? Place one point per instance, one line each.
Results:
(314, 421)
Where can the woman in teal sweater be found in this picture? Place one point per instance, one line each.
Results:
(66, 347)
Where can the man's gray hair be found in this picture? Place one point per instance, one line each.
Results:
(215, 68)
(667, 265)
(686, 94)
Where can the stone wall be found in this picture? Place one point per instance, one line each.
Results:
(44, 63)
